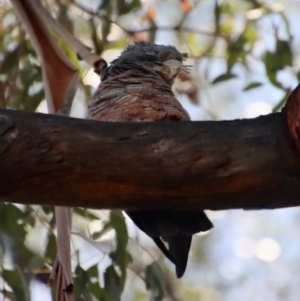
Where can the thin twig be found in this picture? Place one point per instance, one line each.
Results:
(148, 29)
(81, 50)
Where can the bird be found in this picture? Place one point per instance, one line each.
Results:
(136, 87)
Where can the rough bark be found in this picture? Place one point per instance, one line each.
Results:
(54, 160)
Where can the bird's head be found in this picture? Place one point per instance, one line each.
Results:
(166, 61)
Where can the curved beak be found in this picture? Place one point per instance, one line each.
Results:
(174, 67)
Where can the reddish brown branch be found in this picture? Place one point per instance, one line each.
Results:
(292, 112)
(173, 165)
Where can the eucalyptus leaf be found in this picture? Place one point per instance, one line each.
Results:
(125, 7)
(80, 283)
(51, 248)
(235, 51)
(15, 281)
(85, 213)
(120, 255)
(252, 85)
(113, 283)
(283, 54)
(223, 77)
(10, 60)
(36, 263)
(155, 281)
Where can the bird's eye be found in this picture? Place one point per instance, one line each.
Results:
(184, 56)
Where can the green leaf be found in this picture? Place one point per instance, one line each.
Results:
(276, 61)
(284, 54)
(105, 6)
(11, 60)
(153, 31)
(36, 263)
(33, 101)
(120, 256)
(97, 43)
(155, 281)
(11, 221)
(85, 213)
(105, 29)
(104, 230)
(29, 217)
(9, 296)
(13, 234)
(80, 283)
(217, 13)
(252, 86)
(48, 209)
(93, 271)
(15, 281)
(113, 283)
(72, 56)
(227, 8)
(251, 34)
(124, 7)
(272, 66)
(235, 51)
(51, 249)
(98, 292)
(21, 254)
(223, 77)
(282, 102)
(194, 47)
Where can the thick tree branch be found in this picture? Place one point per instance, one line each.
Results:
(247, 164)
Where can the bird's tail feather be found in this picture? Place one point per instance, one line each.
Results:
(175, 228)
(164, 249)
(179, 246)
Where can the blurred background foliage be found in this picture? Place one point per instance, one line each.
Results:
(245, 57)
